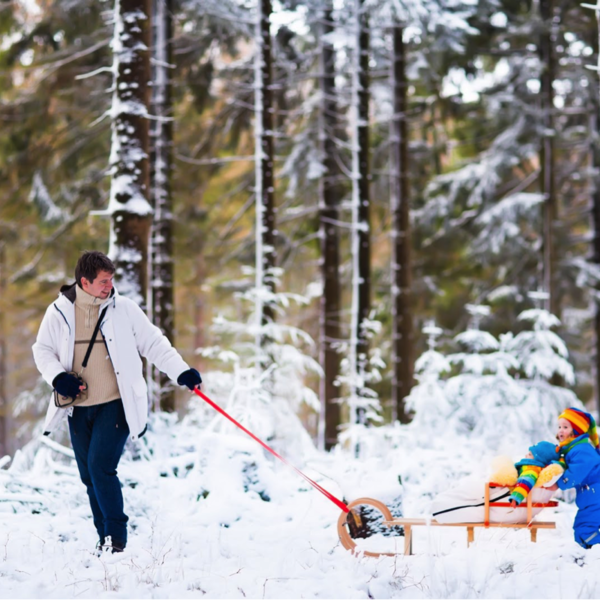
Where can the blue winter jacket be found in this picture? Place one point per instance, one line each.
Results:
(583, 468)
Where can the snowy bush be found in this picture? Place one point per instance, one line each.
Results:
(263, 386)
(29, 407)
(503, 391)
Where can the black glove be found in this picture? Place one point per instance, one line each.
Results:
(190, 378)
(67, 385)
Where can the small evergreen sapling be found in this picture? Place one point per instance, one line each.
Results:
(500, 390)
(263, 387)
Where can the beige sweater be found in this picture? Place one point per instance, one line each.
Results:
(99, 373)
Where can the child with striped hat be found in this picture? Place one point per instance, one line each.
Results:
(578, 446)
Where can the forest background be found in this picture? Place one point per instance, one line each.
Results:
(446, 152)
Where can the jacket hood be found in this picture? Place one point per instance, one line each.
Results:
(68, 291)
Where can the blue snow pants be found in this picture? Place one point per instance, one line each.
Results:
(587, 520)
(98, 436)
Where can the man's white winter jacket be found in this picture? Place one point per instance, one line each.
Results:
(127, 333)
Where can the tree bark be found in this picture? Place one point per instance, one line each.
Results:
(4, 449)
(547, 153)
(595, 226)
(363, 179)
(595, 214)
(129, 160)
(329, 316)
(402, 325)
(161, 136)
(265, 202)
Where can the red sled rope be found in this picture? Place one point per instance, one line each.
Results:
(323, 491)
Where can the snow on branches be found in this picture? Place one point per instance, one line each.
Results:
(505, 389)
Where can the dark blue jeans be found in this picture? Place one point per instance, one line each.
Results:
(98, 436)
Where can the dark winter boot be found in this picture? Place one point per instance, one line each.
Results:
(107, 544)
(116, 545)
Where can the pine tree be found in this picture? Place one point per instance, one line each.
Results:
(161, 136)
(497, 389)
(595, 209)
(491, 201)
(53, 149)
(547, 153)
(129, 159)
(402, 334)
(330, 305)
(4, 405)
(264, 164)
(361, 222)
(267, 401)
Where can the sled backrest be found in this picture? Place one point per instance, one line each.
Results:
(530, 503)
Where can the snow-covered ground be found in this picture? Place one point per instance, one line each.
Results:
(212, 515)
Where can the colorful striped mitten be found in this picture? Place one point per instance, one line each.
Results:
(527, 479)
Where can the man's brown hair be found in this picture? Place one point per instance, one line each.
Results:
(90, 264)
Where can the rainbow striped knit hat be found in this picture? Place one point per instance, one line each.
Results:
(581, 422)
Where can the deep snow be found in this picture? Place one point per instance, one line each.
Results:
(212, 516)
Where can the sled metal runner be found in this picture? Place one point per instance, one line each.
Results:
(351, 527)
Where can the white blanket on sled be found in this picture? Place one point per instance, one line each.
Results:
(465, 504)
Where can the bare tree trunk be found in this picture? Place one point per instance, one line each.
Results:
(129, 161)
(595, 200)
(402, 325)
(329, 316)
(265, 202)
(161, 284)
(595, 226)
(547, 155)
(364, 176)
(596, 260)
(199, 305)
(4, 449)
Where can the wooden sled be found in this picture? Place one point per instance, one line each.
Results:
(347, 540)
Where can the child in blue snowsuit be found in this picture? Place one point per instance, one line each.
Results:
(578, 446)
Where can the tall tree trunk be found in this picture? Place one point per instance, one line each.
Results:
(547, 157)
(4, 449)
(199, 306)
(129, 162)
(161, 136)
(361, 201)
(596, 260)
(329, 317)
(595, 200)
(402, 325)
(265, 203)
(595, 225)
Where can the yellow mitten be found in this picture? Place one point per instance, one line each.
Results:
(504, 471)
(549, 475)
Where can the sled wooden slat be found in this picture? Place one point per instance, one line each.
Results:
(408, 523)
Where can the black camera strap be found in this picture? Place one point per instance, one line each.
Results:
(67, 401)
(93, 340)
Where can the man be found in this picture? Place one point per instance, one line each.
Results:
(116, 405)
